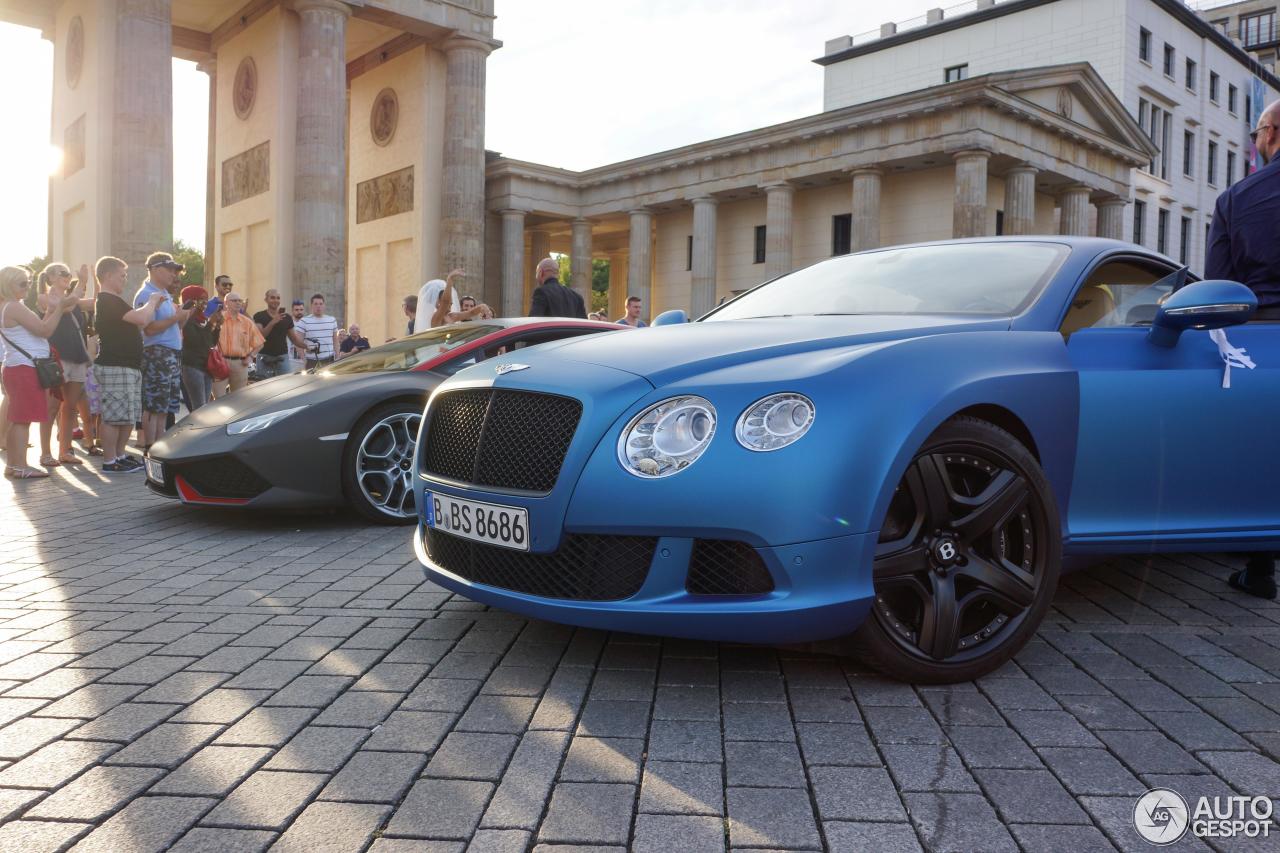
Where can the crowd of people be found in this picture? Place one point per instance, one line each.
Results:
(82, 354)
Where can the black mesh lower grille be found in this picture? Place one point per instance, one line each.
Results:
(222, 477)
(585, 568)
(499, 438)
(726, 567)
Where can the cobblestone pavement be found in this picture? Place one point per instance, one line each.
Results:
(232, 682)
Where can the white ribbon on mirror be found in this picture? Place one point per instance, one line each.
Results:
(1232, 356)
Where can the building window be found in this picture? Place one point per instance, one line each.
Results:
(1213, 86)
(1162, 231)
(1211, 164)
(1231, 98)
(1157, 124)
(1188, 152)
(1184, 240)
(956, 73)
(999, 223)
(1191, 74)
(1258, 29)
(688, 253)
(1139, 215)
(1168, 60)
(1231, 167)
(1144, 44)
(841, 234)
(760, 239)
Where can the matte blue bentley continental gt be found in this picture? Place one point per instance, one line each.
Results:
(899, 445)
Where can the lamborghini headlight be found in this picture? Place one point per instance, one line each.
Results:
(260, 422)
(667, 437)
(775, 421)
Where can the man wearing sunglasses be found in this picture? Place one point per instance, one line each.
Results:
(162, 345)
(1244, 246)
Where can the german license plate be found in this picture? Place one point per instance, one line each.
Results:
(155, 471)
(492, 524)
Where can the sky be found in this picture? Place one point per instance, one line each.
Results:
(577, 84)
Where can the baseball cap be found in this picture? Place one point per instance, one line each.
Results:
(163, 259)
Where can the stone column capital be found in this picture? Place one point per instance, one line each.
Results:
(867, 171)
(1022, 169)
(460, 42)
(1113, 201)
(511, 211)
(704, 199)
(971, 154)
(582, 222)
(778, 186)
(338, 6)
(640, 211)
(208, 66)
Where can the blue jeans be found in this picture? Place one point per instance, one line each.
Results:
(272, 365)
(199, 385)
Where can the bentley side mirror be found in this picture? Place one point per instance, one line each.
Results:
(674, 317)
(1213, 304)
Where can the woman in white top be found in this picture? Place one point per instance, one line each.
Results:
(25, 337)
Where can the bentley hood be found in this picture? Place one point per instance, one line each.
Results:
(670, 353)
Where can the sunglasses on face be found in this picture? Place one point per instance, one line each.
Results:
(1253, 134)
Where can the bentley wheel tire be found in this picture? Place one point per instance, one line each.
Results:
(967, 561)
(377, 465)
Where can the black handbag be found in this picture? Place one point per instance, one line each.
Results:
(48, 370)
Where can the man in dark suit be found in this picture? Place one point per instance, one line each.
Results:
(1244, 246)
(553, 299)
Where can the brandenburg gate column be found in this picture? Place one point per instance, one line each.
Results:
(865, 222)
(1074, 204)
(778, 232)
(640, 266)
(969, 211)
(1020, 200)
(320, 156)
(580, 260)
(539, 248)
(512, 264)
(462, 196)
(210, 67)
(1111, 218)
(702, 296)
(142, 137)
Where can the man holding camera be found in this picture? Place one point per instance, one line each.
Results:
(277, 329)
(320, 331)
(161, 345)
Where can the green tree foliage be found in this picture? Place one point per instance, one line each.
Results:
(40, 262)
(192, 259)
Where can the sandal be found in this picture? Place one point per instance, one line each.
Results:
(95, 449)
(70, 458)
(49, 462)
(11, 473)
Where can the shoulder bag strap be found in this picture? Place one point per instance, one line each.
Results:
(9, 340)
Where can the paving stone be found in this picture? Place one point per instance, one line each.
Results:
(771, 817)
(1091, 771)
(410, 731)
(881, 837)
(392, 677)
(522, 794)
(836, 743)
(149, 670)
(311, 691)
(1150, 752)
(685, 740)
(1030, 796)
(503, 714)
(1114, 815)
(268, 674)
(56, 684)
(927, 767)
(358, 709)
(213, 771)
(674, 787)
(183, 687)
(319, 749)
(855, 793)
(591, 813)
(472, 755)
(617, 718)
(752, 687)
(420, 815)
(50, 766)
(1098, 713)
(441, 694)
(95, 794)
(1060, 839)
(223, 706)
(894, 724)
(265, 726)
(509, 680)
(147, 823)
(40, 835)
(220, 840)
(125, 723)
(266, 800)
(562, 700)
(763, 765)
(23, 737)
(934, 817)
(86, 703)
(1248, 772)
(603, 760)
(332, 827)
(957, 708)
(1196, 730)
(374, 777)
(664, 833)
(13, 801)
(232, 659)
(167, 745)
(985, 746)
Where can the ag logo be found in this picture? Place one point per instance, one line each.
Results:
(509, 367)
(1161, 816)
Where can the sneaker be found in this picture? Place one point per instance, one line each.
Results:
(133, 462)
(121, 466)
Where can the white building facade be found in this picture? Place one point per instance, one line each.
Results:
(1189, 86)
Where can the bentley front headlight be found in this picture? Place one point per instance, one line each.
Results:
(667, 437)
(775, 421)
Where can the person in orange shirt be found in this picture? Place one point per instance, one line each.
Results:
(239, 340)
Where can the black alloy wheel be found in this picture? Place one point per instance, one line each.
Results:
(967, 560)
(377, 464)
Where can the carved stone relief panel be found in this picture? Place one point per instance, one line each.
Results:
(75, 51)
(244, 91)
(385, 195)
(247, 174)
(385, 116)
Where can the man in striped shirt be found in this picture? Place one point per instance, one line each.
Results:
(321, 333)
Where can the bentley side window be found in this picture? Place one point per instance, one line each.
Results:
(1120, 293)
